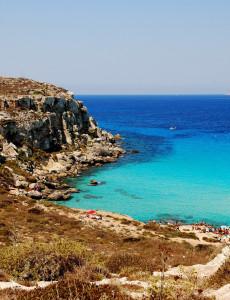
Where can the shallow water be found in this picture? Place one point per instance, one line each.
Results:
(181, 174)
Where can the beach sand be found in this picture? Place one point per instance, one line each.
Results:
(123, 225)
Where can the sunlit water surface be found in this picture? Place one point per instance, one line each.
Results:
(181, 174)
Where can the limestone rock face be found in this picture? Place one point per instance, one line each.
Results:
(43, 115)
(51, 122)
(49, 134)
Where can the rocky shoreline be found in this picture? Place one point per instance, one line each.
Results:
(45, 135)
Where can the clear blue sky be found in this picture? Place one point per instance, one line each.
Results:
(119, 46)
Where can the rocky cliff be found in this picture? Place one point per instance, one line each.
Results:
(44, 131)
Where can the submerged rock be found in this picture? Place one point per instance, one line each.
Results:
(93, 182)
(118, 137)
(134, 151)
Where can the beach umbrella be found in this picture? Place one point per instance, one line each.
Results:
(91, 212)
(224, 227)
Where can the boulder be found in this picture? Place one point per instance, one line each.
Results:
(26, 151)
(9, 150)
(109, 159)
(134, 151)
(118, 137)
(21, 184)
(51, 185)
(73, 190)
(65, 186)
(34, 195)
(66, 196)
(55, 196)
(93, 182)
(58, 195)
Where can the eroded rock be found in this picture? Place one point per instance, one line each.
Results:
(51, 135)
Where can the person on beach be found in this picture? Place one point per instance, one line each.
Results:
(159, 223)
(177, 226)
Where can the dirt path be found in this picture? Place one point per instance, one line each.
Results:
(203, 271)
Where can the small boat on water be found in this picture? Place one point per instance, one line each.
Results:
(172, 128)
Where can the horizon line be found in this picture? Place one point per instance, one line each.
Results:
(150, 94)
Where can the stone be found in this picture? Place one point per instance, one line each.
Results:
(73, 190)
(118, 137)
(58, 195)
(93, 182)
(65, 186)
(26, 152)
(32, 186)
(21, 184)
(66, 196)
(34, 195)
(51, 185)
(134, 151)
(109, 159)
(9, 150)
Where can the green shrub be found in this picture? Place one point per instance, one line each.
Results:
(21, 155)
(170, 232)
(125, 221)
(117, 262)
(47, 204)
(36, 261)
(6, 175)
(151, 226)
(221, 277)
(210, 240)
(37, 92)
(12, 131)
(73, 289)
(13, 164)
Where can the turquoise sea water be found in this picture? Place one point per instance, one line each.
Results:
(181, 174)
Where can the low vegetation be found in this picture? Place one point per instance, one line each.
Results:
(39, 261)
(43, 241)
(69, 288)
(170, 232)
(221, 277)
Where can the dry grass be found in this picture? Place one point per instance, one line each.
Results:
(7, 177)
(37, 224)
(30, 222)
(170, 232)
(68, 288)
(221, 277)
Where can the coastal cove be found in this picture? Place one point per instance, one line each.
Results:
(180, 174)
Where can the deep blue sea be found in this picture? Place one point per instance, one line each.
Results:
(181, 174)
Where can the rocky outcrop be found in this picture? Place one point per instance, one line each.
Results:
(49, 133)
(48, 124)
